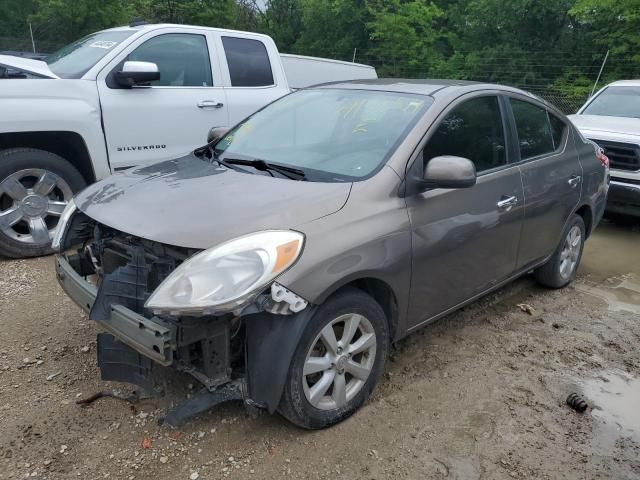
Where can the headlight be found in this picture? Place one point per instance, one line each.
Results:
(63, 223)
(227, 276)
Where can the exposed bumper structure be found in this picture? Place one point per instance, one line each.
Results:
(153, 337)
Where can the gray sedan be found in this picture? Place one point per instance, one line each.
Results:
(278, 263)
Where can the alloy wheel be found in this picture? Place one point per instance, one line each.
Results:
(570, 252)
(31, 203)
(339, 362)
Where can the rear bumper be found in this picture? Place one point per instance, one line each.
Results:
(624, 197)
(153, 337)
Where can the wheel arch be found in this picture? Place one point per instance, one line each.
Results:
(67, 144)
(586, 212)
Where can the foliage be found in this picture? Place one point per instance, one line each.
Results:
(544, 45)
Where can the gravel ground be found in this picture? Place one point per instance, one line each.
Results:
(479, 394)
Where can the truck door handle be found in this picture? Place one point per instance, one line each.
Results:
(507, 203)
(210, 104)
(574, 181)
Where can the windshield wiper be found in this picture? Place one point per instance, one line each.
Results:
(264, 166)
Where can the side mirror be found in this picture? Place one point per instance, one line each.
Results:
(216, 133)
(449, 172)
(137, 73)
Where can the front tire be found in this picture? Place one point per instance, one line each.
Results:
(561, 269)
(35, 187)
(338, 361)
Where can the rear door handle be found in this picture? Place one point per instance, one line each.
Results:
(574, 181)
(507, 203)
(210, 104)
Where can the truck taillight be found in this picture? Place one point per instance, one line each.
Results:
(604, 160)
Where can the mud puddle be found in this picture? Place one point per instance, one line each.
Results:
(615, 400)
(621, 294)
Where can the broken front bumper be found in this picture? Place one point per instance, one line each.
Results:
(154, 338)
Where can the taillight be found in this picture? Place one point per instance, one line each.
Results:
(604, 160)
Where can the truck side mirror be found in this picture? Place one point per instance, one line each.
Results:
(137, 73)
(216, 133)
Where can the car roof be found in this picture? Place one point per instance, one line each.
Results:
(429, 87)
(159, 26)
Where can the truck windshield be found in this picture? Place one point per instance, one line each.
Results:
(332, 135)
(616, 102)
(74, 60)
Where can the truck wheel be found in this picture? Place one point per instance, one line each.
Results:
(337, 362)
(561, 268)
(35, 187)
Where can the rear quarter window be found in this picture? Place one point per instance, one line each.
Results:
(248, 62)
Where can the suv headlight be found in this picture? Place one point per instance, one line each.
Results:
(63, 223)
(228, 276)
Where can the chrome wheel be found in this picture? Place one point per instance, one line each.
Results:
(339, 362)
(31, 202)
(570, 252)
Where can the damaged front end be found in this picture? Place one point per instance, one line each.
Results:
(115, 277)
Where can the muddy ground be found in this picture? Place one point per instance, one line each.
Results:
(480, 394)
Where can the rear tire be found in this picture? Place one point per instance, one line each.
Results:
(561, 269)
(348, 371)
(35, 186)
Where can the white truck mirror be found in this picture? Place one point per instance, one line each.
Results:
(137, 73)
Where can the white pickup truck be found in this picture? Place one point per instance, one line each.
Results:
(124, 97)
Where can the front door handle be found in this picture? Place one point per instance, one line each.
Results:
(574, 181)
(507, 203)
(210, 104)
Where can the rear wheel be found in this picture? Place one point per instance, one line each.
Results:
(35, 187)
(562, 267)
(338, 361)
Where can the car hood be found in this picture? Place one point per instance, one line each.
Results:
(27, 65)
(601, 123)
(190, 202)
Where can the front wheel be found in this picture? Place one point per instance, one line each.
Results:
(338, 361)
(562, 267)
(35, 187)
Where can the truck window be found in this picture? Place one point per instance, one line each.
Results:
(182, 58)
(248, 62)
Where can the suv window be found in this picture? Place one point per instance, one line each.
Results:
(534, 129)
(248, 62)
(182, 58)
(473, 130)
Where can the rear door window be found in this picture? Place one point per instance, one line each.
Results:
(558, 127)
(472, 130)
(535, 135)
(248, 62)
(183, 59)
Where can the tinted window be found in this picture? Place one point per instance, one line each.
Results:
(248, 62)
(616, 102)
(183, 59)
(534, 129)
(472, 130)
(557, 130)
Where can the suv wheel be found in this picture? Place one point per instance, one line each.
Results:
(35, 187)
(562, 267)
(337, 362)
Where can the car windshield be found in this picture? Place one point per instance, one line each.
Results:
(74, 60)
(616, 102)
(332, 135)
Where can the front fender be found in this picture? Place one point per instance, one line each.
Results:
(271, 341)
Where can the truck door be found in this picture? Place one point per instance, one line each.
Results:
(172, 116)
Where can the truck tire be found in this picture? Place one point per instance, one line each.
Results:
(35, 187)
(562, 267)
(337, 362)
